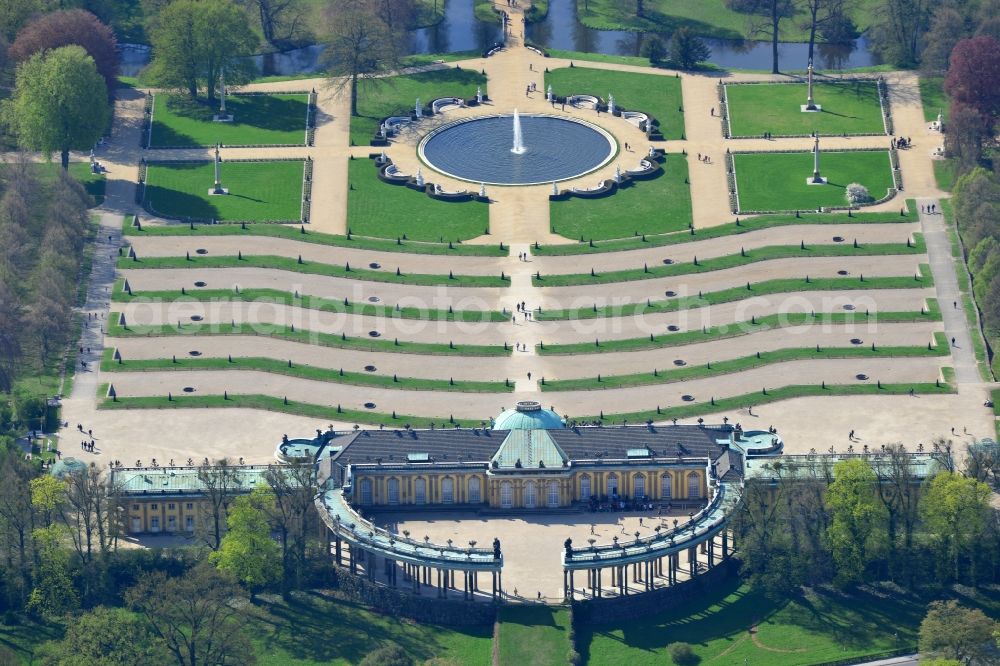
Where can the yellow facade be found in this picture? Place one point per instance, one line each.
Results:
(154, 515)
(527, 490)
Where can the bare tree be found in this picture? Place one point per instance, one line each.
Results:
(292, 515)
(361, 49)
(220, 484)
(280, 20)
(820, 13)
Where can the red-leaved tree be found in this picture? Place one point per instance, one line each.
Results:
(973, 77)
(72, 26)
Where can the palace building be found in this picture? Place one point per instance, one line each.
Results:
(529, 460)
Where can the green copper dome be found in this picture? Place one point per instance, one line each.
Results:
(528, 415)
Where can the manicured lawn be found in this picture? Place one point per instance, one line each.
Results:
(315, 268)
(636, 61)
(653, 206)
(719, 230)
(382, 210)
(933, 98)
(304, 336)
(847, 108)
(310, 303)
(670, 375)
(303, 235)
(316, 373)
(730, 261)
(298, 633)
(944, 174)
(257, 119)
(379, 98)
(270, 403)
(258, 191)
(23, 637)
(657, 95)
(533, 635)
(705, 17)
(818, 627)
(777, 181)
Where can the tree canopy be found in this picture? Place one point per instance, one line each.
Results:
(60, 102)
(974, 77)
(72, 26)
(954, 632)
(194, 40)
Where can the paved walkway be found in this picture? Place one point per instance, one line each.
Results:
(956, 325)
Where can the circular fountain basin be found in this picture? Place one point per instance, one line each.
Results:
(479, 149)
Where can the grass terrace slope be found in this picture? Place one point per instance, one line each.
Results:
(179, 122)
(721, 230)
(778, 181)
(314, 268)
(655, 206)
(848, 107)
(659, 96)
(304, 235)
(379, 98)
(382, 210)
(258, 191)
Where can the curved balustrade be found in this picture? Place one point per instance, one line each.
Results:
(704, 525)
(349, 525)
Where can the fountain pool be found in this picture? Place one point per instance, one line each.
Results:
(533, 150)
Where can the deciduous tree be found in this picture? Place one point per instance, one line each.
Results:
(248, 552)
(60, 102)
(974, 77)
(856, 518)
(952, 631)
(955, 511)
(194, 40)
(361, 47)
(104, 637)
(194, 616)
(72, 26)
(687, 49)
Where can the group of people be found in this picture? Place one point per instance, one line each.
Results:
(901, 142)
(704, 159)
(929, 208)
(618, 503)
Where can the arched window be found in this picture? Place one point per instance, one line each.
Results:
(447, 490)
(553, 494)
(612, 485)
(694, 486)
(420, 491)
(393, 491)
(506, 495)
(366, 491)
(475, 490)
(639, 486)
(665, 487)
(585, 487)
(530, 495)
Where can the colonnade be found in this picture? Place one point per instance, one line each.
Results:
(628, 576)
(416, 577)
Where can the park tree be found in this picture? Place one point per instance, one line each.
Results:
(14, 14)
(281, 21)
(389, 654)
(194, 616)
(292, 514)
(952, 631)
(973, 78)
(898, 491)
(52, 594)
(898, 29)
(968, 132)
(72, 26)
(10, 328)
(59, 103)
(947, 27)
(687, 49)
(856, 519)
(220, 483)
(104, 637)
(16, 525)
(765, 17)
(248, 552)
(194, 40)
(820, 15)
(955, 511)
(361, 48)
